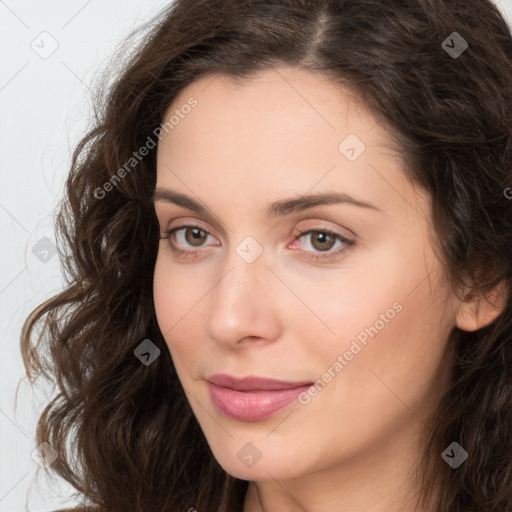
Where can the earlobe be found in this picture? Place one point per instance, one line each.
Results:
(482, 310)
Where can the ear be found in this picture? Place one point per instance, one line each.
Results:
(482, 310)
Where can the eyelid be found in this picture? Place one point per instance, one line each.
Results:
(311, 256)
(325, 256)
(296, 232)
(186, 222)
(181, 219)
(319, 227)
(173, 229)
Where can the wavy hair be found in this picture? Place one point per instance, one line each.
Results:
(125, 435)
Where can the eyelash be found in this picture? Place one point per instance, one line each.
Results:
(320, 256)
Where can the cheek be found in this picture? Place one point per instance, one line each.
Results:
(175, 298)
(389, 379)
(338, 305)
(387, 321)
(164, 296)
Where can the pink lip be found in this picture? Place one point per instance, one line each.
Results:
(252, 398)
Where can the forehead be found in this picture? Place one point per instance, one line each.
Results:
(278, 112)
(288, 102)
(282, 130)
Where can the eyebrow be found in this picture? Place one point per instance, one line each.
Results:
(276, 209)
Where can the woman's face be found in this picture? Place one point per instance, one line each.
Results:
(355, 315)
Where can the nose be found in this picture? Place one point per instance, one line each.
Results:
(244, 304)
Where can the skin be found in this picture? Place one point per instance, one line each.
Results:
(356, 444)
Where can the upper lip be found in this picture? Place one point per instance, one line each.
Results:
(253, 383)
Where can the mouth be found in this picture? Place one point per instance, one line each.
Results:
(252, 398)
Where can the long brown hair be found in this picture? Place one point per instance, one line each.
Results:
(124, 432)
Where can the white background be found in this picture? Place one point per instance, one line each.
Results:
(44, 111)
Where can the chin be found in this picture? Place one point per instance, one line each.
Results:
(259, 461)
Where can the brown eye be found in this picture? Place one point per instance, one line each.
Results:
(321, 244)
(184, 239)
(322, 240)
(195, 236)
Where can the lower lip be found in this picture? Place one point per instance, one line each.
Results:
(252, 405)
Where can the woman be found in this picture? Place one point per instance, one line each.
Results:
(289, 243)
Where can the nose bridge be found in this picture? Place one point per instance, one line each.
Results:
(245, 266)
(245, 276)
(242, 302)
